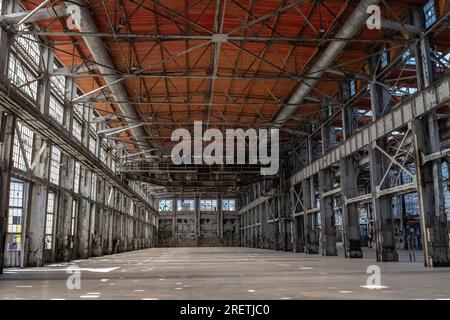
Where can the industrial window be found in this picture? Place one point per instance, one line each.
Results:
(93, 125)
(49, 221)
(56, 110)
(92, 144)
(404, 91)
(78, 109)
(411, 204)
(15, 223)
(364, 113)
(186, 205)
(445, 171)
(93, 186)
(29, 45)
(208, 205)
(26, 137)
(77, 129)
(352, 87)
(58, 84)
(22, 77)
(55, 165)
(76, 177)
(103, 155)
(165, 205)
(409, 57)
(229, 205)
(384, 59)
(73, 221)
(442, 59)
(429, 11)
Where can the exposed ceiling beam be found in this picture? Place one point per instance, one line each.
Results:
(102, 57)
(348, 31)
(151, 37)
(39, 14)
(99, 53)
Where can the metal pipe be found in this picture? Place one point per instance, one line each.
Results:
(98, 51)
(102, 57)
(348, 31)
(402, 27)
(37, 14)
(24, 19)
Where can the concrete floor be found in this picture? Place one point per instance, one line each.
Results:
(226, 273)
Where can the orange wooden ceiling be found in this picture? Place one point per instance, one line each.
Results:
(249, 101)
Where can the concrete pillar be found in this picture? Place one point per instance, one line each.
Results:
(433, 217)
(311, 232)
(69, 94)
(381, 205)
(350, 213)
(279, 232)
(197, 219)
(242, 229)
(219, 217)
(299, 234)
(298, 225)
(173, 213)
(102, 212)
(349, 186)
(38, 207)
(46, 64)
(285, 223)
(7, 128)
(93, 214)
(64, 211)
(36, 227)
(110, 230)
(328, 222)
(5, 41)
(295, 233)
(264, 236)
(260, 222)
(84, 216)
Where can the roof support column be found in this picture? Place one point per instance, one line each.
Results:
(263, 208)
(328, 220)
(298, 229)
(309, 198)
(34, 251)
(197, 219)
(46, 65)
(381, 205)
(7, 128)
(348, 180)
(310, 219)
(219, 217)
(259, 227)
(433, 216)
(174, 222)
(5, 42)
(69, 94)
(83, 217)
